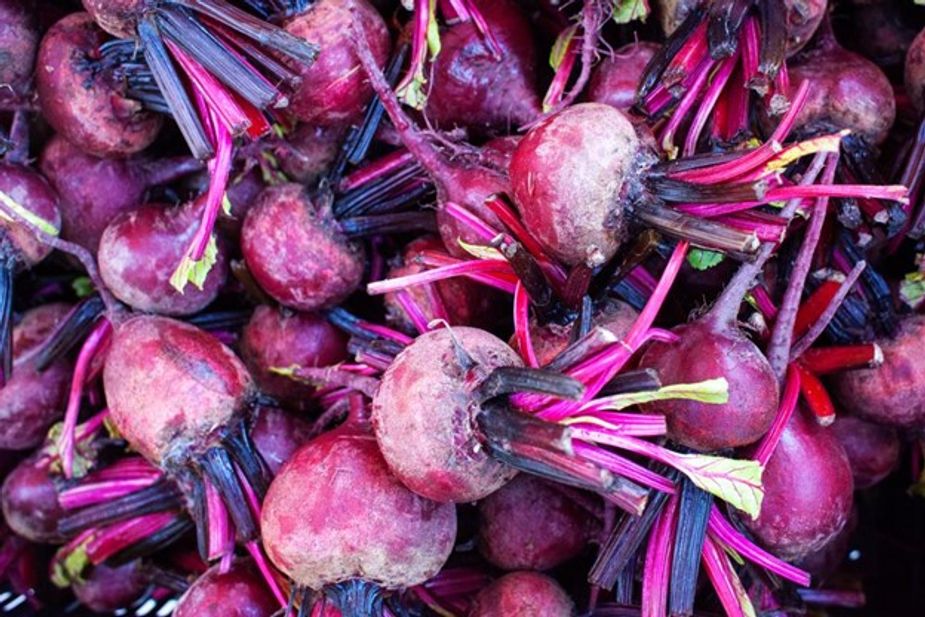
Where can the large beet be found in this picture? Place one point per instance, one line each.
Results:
(872, 449)
(239, 592)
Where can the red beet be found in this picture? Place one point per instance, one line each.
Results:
(277, 435)
(139, 251)
(872, 449)
(307, 153)
(523, 594)
(333, 90)
(615, 79)
(497, 152)
(335, 516)
(425, 417)
(19, 40)
(94, 190)
(30, 501)
(87, 106)
(106, 589)
(117, 17)
(31, 191)
(528, 524)
(915, 72)
(31, 402)
(894, 392)
(808, 491)
(571, 176)
(281, 338)
(551, 339)
(296, 251)
(239, 592)
(476, 89)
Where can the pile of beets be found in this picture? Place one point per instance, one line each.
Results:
(462, 308)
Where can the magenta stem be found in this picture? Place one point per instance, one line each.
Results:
(658, 557)
(816, 330)
(261, 560)
(728, 587)
(465, 268)
(412, 310)
(470, 220)
(421, 19)
(119, 536)
(522, 325)
(701, 74)
(622, 466)
(788, 403)
(720, 79)
(894, 192)
(379, 168)
(221, 536)
(85, 495)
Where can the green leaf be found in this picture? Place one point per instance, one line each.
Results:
(70, 568)
(25, 214)
(560, 47)
(702, 259)
(413, 93)
(195, 272)
(735, 481)
(912, 289)
(480, 251)
(82, 286)
(433, 30)
(625, 11)
(226, 204)
(711, 391)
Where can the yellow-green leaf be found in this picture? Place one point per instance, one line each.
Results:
(912, 289)
(226, 204)
(625, 11)
(736, 481)
(480, 251)
(193, 271)
(70, 569)
(711, 391)
(25, 214)
(560, 47)
(433, 30)
(703, 259)
(82, 286)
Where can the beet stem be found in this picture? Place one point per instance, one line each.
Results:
(219, 468)
(658, 555)
(394, 223)
(152, 542)
(356, 598)
(591, 17)
(725, 23)
(667, 52)
(162, 496)
(772, 16)
(639, 380)
(359, 148)
(6, 322)
(690, 532)
(788, 403)
(245, 454)
(510, 379)
(816, 330)
(702, 232)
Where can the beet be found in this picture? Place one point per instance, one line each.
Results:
(571, 176)
(333, 90)
(281, 338)
(915, 72)
(117, 17)
(498, 151)
(523, 594)
(872, 449)
(139, 251)
(308, 152)
(807, 491)
(239, 592)
(32, 192)
(19, 40)
(84, 105)
(107, 589)
(893, 393)
(296, 251)
(616, 78)
(30, 501)
(551, 339)
(335, 516)
(882, 32)
(31, 402)
(95, 190)
(476, 89)
(277, 435)
(528, 524)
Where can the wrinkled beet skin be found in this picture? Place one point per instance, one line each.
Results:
(529, 525)
(33, 192)
(705, 353)
(334, 89)
(139, 252)
(308, 152)
(30, 502)
(808, 491)
(281, 338)
(615, 79)
(872, 449)
(240, 592)
(296, 252)
(169, 385)
(893, 393)
(523, 594)
(472, 88)
(117, 17)
(915, 72)
(19, 40)
(336, 513)
(107, 589)
(551, 339)
(31, 402)
(848, 92)
(80, 106)
(569, 175)
(425, 419)
(277, 435)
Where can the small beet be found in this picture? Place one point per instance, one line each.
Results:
(616, 78)
(277, 435)
(308, 152)
(30, 501)
(551, 339)
(19, 40)
(872, 449)
(239, 592)
(107, 589)
(32, 191)
(523, 594)
(915, 72)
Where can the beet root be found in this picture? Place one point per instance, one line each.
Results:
(117, 17)
(280, 338)
(239, 592)
(914, 74)
(170, 385)
(32, 192)
(425, 399)
(523, 594)
(107, 589)
(571, 175)
(335, 513)
(296, 251)
(277, 435)
(528, 524)
(19, 40)
(615, 79)
(82, 104)
(139, 251)
(30, 501)
(808, 491)
(308, 152)
(551, 339)
(894, 392)
(872, 449)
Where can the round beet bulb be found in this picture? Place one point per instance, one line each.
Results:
(615, 79)
(139, 251)
(571, 176)
(296, 251)
(498, 151)
(893, 393)
(807, 491)
(425, 399)
(277, 435)
(335, 518)
(915, 72)
(308, 152)
(30, 501)
(19, 40)
(84, 104)
(281, 338)
(117, 17)
(872, 449)
(31, 191)
(523, 594)
(551, 339)
(472, 87)
(528, 524)
(31, 402)
(239, 592)
(170, 386)
(106, 589)
(334, 91)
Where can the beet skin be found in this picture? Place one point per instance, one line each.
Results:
(239, 592)
(523, 594)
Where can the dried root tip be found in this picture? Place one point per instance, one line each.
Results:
(6, 323)
(218, 467)
(660, 61)
(510, 380)
(75, 328)
(726, 17)
(356, 598)
(162, 496)
(528, 271)
(157, 541)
